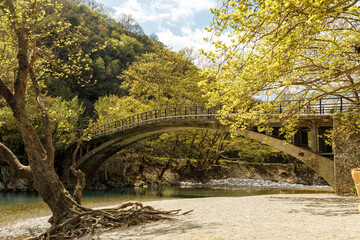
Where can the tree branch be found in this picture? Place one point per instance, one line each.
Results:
(22, 56)
(352, 82)
(8, 95)
(49, 145)
(19, 171)
(80, 176)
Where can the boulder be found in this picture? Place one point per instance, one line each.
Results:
(23, 185)
(5, 174)
(2, 186)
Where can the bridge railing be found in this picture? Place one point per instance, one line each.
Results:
(326, 106)
(183, 112)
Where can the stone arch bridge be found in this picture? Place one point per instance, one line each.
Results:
(306, 146)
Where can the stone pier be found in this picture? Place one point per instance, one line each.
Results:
(346, 157)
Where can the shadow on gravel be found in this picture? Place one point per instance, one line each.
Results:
(329, 206)
(148, 231)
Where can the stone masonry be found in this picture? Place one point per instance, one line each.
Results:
(346, 157)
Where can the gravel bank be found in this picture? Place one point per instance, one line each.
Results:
(295, 216)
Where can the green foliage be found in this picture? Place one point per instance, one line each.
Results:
(65, 118)
(353, 191)
(205, 146)
(279, 50)
(108, 47)
(163, 78)
(347, 124)
(54, 49)
(253, 151)
(112, 108)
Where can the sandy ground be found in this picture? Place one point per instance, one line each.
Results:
(296, 216)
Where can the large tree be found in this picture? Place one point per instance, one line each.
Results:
(278, 50)
(26, 38)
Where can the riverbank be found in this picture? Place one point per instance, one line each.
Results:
(158, 172)
(282, 216)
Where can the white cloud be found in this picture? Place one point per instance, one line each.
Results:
(158, 10)
(172, 21)
(189, 38)
(198, 5)
(140, 11)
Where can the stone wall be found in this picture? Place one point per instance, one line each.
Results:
(346, 157)
(7, 184)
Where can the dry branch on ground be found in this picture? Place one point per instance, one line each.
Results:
(125, 215)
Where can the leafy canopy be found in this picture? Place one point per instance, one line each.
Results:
(65, 117)
(112, 108)
(163, 79)
(284, 49)
(43, 32)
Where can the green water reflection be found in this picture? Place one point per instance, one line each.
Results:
(20, 205)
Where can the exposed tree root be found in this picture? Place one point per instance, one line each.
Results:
(125, 215)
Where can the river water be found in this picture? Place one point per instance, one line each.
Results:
(21, 205)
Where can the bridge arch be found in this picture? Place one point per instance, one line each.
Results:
(114, 142)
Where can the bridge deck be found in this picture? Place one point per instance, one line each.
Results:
(324, 108)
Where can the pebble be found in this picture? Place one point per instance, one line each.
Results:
(240, 182)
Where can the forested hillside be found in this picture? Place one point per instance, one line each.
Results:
(104, 48)
(110, 47)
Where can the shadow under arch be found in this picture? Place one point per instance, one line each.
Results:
(112, 143)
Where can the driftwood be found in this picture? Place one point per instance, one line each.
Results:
(125, 215)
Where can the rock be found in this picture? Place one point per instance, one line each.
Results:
(7, 184)
(99, 186)
(10, 186)
(5, 174)
(23, 185)
(2, 186)
(20, 185)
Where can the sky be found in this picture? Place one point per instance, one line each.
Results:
(177, 23)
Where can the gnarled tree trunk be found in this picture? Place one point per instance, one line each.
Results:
(40, 155)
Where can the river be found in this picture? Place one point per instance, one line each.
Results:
(22, 205)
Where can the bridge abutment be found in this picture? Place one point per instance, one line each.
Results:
(346, 157)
